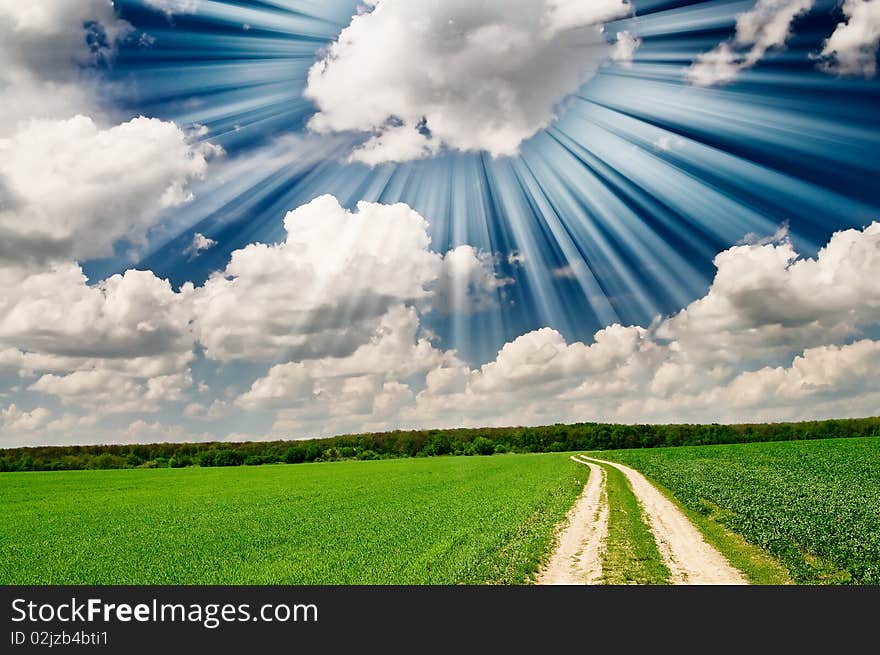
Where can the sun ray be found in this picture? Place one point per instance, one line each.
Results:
(611, 214)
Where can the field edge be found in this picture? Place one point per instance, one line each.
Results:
(755, 563)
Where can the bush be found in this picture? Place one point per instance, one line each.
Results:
(295, 455)
(180, 461)
(107, 461)
(482, 446)
(228, 457)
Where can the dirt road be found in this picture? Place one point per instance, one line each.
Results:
(578, 557)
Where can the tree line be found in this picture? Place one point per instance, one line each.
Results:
(424, 443)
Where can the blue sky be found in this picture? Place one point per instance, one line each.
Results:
(614, 211)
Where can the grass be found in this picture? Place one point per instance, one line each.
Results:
(444, 520)
(631, 555)
(756, 564)
(813, 505)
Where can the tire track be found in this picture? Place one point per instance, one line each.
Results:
(578, 555)
(684, 550)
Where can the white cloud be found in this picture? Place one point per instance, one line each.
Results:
(72, 183)
(47, 35)
(770, 339)
(852, 48)
(765, 304)
(199, 244)
(779, 236)
(327, 385)
(776, 337)
(99, 388)
(175, 6)
(112, 391)
(340, 296)
(125, 316)
(67, 197)
(44, 57)
(764, 27)
(123, 344)
(66, 423)
(216, 410)
(336, 308)
(395, 143)
(571, 271)
(668, 143)
(14, 419)
(330, 284)
(418, 75)
(467, 282)
(625, 47)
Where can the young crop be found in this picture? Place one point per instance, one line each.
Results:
(814, 505)
(443, 520)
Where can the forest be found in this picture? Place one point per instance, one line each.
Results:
(424, 443)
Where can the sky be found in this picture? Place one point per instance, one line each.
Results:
(269, 219)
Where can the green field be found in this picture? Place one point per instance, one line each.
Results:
(813, 505)
(442, 520)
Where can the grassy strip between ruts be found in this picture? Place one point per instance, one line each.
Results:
(631, 555)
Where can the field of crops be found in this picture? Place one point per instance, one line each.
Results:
(410, 521)
(814, 505)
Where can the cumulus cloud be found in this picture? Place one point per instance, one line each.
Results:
(852, 48)
(419, 75)
(764, 27)
(332, 282)
(14, 419)
(45, 37)
(394, 351)
(71, 180)
(766, 304)
(125, 316)
(72, 183)
(123, 344)
(67, 197)
(776, 337)
(108, 391)
(45, 53)
(773, 338)
(340, 298)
